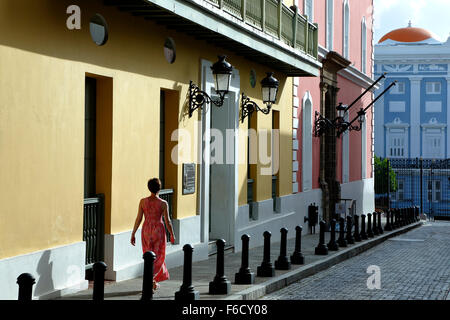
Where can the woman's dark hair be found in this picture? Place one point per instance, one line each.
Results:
(154, 185)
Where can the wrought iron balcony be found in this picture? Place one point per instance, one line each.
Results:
(264, 31)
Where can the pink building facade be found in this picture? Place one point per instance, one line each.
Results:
(346, 51)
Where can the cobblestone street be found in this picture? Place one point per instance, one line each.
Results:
(414, 265)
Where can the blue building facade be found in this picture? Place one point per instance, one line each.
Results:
(412, 119)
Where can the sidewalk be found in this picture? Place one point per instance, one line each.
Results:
(204, 271)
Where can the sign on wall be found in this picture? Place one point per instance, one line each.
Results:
(188, 178)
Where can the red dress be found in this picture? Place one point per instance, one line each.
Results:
(153, 236)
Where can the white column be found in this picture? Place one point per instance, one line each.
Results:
(448, 117)
(364, 150)
(415, 117)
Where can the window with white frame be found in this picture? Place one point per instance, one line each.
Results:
(432, 146)
(309, 9)
(434, 190)
(363, 45)
(396, 146)
(433, 87)
(346, 30)
(399, 88)
(400, 194)
(330, 24)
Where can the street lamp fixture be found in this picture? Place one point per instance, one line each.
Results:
(269, 88)
(222, 71)
(322, 124)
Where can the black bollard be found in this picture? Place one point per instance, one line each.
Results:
(332, 244)
(363, 233)
(297, 256)
(187, 292)
(408, 214)
(220, 284)
(374, 224)
(349, 238)
(244, 276)
(387, 225)
(356, 234)
(99, 281)
(380, 229)
(266, 269)
(394, 219)
(25, 282)
(369, 226)
(321, 248)
(282, 263)
(147, 281)
(341, 241)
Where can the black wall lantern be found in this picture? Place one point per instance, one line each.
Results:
(269, 88)
(322, 124)
(221, 71)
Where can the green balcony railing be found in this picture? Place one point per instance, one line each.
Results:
(276, 19)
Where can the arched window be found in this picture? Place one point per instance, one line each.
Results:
(307, 142)
(309, 9)
(330, 24)
(363, 45)
(346, 30)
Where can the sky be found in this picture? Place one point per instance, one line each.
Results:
(432, 15)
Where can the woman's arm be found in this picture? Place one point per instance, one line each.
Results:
(168, 222)
(137, 223)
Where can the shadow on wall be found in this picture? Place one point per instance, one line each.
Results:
(44, 270)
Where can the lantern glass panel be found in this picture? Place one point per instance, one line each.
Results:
(273, 94)
(362, 118)
(222, 82)
(266, 94)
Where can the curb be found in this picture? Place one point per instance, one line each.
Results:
(277, 283)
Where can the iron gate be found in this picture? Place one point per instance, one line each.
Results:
(167, 194)
(94, 229)
(414, 182)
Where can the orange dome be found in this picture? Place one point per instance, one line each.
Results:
(409, 34)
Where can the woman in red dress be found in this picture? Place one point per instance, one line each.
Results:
(153, 232)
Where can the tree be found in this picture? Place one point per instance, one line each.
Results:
(381, 177)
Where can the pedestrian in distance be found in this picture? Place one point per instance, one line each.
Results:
(153, 233)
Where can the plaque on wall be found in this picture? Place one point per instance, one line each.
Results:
(188, 178)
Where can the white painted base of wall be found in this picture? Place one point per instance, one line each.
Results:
(58, 271)
(363, 192)
(267, 220)
(125, 261)
(291, 211)
(303, 200)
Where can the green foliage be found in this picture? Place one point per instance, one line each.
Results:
(381, 177)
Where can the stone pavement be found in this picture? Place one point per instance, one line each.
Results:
(413, 266)
(204, 271)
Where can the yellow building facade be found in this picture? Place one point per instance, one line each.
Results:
(44, 67)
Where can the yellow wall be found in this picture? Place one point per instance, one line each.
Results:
(42, 70)
(263, 183)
